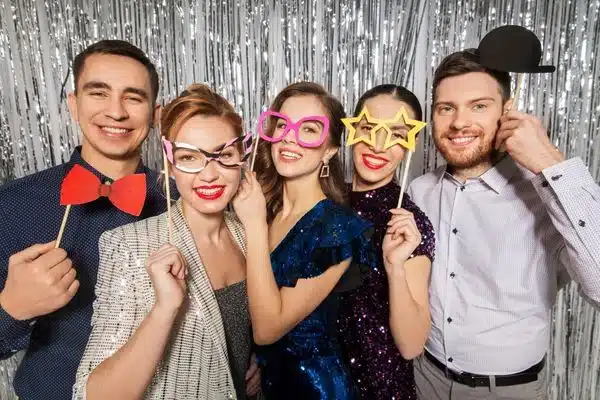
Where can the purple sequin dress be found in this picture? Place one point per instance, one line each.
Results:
(375, 363)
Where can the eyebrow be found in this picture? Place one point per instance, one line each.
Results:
(103, 85)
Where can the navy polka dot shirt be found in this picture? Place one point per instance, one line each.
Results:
(30, 213)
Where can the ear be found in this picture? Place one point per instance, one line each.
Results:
(72, 103)
(156, 114)
(329, 153)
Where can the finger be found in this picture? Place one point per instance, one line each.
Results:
(396, 218)
(176, 270)
(510, 124)
(67, 280)
(502, 136)
(51, 258)
(31, 253)
(515, 114)
(251, 371)
(408, 224)
(73, 288)
(400, 211)
(403, 229)
(61, 269)
(253, 386)
(166, 262)
(253, 383)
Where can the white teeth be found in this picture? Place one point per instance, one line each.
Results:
(208, 192)
(463, 140)
(118, 131)
(289, 154)
(375, 161)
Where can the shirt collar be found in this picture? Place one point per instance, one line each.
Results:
(77, 159)
(496, 177)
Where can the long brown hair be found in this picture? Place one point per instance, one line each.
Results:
(271, 182)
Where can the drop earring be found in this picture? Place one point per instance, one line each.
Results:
(324, 170)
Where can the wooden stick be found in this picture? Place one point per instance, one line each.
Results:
(254, 153)
(517, 90)
(405, 177)
(62, 226)
(168, 191)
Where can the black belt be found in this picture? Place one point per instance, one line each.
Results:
(474, 380)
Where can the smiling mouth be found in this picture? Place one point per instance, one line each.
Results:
(114, 131)
(289, 156)
(462, 140)
(210, 192)
(374, 162)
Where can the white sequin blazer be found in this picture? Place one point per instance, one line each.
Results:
(195, 363)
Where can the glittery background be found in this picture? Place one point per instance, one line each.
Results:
(248, 50)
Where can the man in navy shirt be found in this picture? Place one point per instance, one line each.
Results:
(47, 293)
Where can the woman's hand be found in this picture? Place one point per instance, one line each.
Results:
(167, 270)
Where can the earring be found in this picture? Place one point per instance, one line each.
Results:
(324, 170)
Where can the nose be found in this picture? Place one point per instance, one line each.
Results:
(116, 110)
(461, 120)
(210, 172)
(380, 136)
(290, 136)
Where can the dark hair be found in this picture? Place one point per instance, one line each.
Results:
(271, 182)
(464, 62)
(397, 92)
(119, 48)
(197, 99)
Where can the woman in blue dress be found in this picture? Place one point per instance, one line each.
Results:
(303, 245)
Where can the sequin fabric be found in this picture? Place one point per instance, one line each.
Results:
(307, 362)
(376, 365)
(233, 304)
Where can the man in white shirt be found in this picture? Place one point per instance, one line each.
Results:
(512, 218)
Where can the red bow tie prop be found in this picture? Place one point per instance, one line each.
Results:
(80, 186)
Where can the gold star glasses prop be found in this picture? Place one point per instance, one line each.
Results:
(387, 125)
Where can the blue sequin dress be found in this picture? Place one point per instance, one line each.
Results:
(307, 362)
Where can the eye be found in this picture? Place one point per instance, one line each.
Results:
(134, 99)
(97, 94)
(280, 125)
(480, 107)
(445, 109)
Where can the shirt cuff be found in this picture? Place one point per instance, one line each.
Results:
(11, 328)
(563, 178)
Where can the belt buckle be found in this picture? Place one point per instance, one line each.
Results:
(468, 379)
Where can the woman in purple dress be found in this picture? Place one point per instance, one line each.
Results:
(385, 323)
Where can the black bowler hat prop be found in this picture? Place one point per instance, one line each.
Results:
(512, 48)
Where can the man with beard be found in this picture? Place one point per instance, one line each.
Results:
(512, 218)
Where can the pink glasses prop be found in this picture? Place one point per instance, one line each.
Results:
(191, 159)
(309, 131)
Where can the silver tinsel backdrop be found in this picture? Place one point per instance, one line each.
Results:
(248, 50)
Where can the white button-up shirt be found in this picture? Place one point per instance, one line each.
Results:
(506, 241)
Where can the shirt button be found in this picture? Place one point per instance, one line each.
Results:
(449, 320)
(450, 359)
(462, 188)
(545, 184)
(455, 231)
(581, 223)
(452, 275)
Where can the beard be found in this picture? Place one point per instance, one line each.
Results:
(469, 157)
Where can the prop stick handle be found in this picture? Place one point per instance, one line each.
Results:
(254, 153)
(62, 226)
(405, 170)
(168, 191)
(517, 90)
